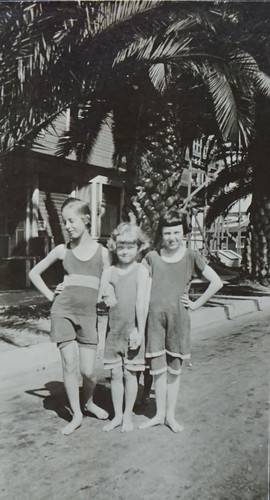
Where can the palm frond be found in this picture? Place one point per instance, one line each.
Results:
(224, 102)
(243, 63)
(182, 24)
(237, 172)
(160, 76)
(140, 45)
(111, 13)
(84, 129)
(147, 50)
(263, 83)
(225, 201)
(44, 51)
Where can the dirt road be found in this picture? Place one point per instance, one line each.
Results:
(222, 454)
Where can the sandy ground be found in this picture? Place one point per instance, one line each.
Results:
(222, 454)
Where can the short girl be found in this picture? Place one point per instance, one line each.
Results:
(168, 326)
(124, 288)
(73, 315)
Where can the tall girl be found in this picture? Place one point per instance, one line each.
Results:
(124, 288)
(168, 327)
(73, 314)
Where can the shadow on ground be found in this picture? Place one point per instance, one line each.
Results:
(57, 400)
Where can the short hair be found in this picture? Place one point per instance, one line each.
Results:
(173, 218)
(81, 207)
(132, 232)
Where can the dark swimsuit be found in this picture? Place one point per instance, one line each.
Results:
(73, 314)
(168, 325)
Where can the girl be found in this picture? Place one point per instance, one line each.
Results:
(124, 288)
(168, 326)
(73, 315)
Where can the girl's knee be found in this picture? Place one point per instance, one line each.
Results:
(117, 373)
(88, 363)
(88, 373)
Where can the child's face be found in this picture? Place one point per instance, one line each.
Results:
(172, 237)
(126, 250)
(74, 222)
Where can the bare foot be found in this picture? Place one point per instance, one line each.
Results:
(115, 422)
(73, 425)
(127, 425)
(97, 411)
(174, 426)
(151, 422)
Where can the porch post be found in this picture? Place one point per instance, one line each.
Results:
(27, 235)
(35, 205)
(31, 221)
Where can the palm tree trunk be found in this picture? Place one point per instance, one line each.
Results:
(154, 178)
(257, 251)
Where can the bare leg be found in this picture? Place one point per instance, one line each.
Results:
(131, 389)
(87, 366)
(173, 382)
(117, 390)
(160, 384)
(69, 356)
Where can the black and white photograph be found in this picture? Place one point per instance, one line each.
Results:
(134, 249)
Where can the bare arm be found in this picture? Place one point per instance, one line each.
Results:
(106, 258)
(35, 274)
(215, 284)
(106, 290)
(142, 300)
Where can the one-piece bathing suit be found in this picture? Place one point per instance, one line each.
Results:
(73, 314)
(122, 320)
(168, 324)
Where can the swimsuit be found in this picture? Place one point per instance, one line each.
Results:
(73, 314)
(168, 324)
(122, 320)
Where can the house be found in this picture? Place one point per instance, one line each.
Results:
(35, 184)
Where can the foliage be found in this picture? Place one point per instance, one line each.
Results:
(232, 184)
(51, 55)
(249, 174)
(191, 69)
(90, 54)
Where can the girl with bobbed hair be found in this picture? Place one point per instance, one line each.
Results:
(172, 267)
(170, 219)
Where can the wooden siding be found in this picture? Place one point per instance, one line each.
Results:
(102, 153)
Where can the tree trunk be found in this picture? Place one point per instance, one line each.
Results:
(153, 184)
(257, 251)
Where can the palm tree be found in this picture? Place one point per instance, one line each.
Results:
(187, 79)
(249, 176)
(53, 55)
(130, 60)
(251, 173)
